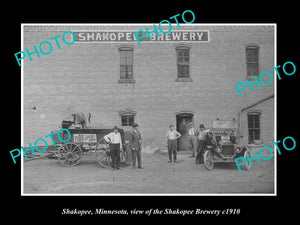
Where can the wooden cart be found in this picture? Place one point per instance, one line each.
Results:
(86, 140)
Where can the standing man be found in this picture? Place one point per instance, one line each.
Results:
(201, 138)
(172, 136)
(183, 128)
(136, 141)
(192, 135)
(115, 141)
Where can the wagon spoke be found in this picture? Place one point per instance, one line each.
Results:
(63, 149)
(102, 153)
(66, 147)
(76, 149)
(70, 147)
(70, 154)
(103, 158)
(78, 152)
(106, 161)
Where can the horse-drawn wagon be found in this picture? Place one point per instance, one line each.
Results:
(87, 140)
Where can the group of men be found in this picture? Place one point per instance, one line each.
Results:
(115, 140)
(196, 139)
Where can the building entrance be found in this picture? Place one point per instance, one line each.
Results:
(182, 125)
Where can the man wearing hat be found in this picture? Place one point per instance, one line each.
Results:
(136, 140)
(115, 141)
(201, 139)
(192, 136)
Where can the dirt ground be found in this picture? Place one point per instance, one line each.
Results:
(47, 176)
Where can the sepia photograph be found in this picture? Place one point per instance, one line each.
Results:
(148, 109)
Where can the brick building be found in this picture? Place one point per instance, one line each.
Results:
(188, 74)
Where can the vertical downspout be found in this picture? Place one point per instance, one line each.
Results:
(239, 127)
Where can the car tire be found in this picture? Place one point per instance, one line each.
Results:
(247, 164)
(208, 160)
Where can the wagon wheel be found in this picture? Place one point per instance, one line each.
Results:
(123, 156)
(208, 160)
(102, 153)
(69, 154)
(247, 164)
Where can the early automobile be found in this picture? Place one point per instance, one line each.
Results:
(222, 146)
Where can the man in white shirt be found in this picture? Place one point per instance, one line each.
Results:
(192, 136)
(202, 132)
(172, 136)
(115, 141)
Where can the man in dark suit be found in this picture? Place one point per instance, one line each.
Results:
(136, 140)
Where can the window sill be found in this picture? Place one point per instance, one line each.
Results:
(126, 80)
(256, 144)
(183, 79)
(250, 78)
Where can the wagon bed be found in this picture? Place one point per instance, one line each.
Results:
(84, 140)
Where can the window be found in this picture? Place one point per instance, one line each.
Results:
(127, 120)
(127, 117)
(183, 61)
(252, 60)
(254, 128)
(126, 64)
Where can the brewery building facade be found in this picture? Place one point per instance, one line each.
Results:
(186, 76)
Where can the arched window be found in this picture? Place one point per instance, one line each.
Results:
(252, 60)
(254, 127)
(127, 117)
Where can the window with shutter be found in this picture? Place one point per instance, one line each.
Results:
(254, 128)
(252, 60)
(183, 63)
(126, 64)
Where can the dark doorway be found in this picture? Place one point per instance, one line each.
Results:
(182, 125)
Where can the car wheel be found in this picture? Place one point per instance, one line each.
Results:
(208, 160)
(247, 164)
